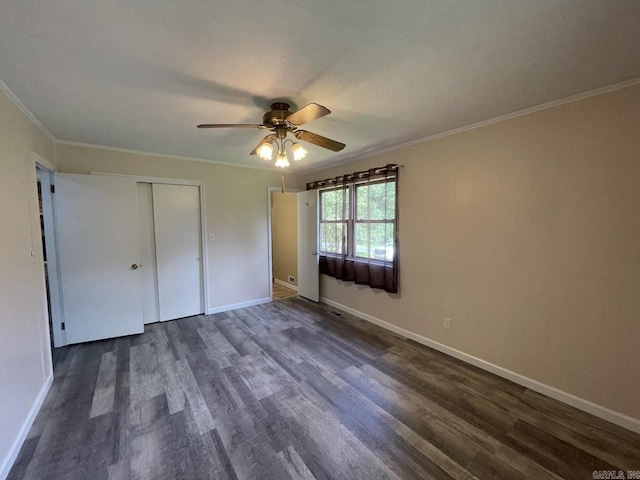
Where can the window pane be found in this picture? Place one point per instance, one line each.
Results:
(332, 205)
(391, 200)
(376, 201)
(362, 239)
(331, 237)
(374, 240)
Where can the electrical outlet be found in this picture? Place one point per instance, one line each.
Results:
(447, 323)
(292, 279)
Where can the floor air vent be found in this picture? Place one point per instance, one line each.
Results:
(336, 314)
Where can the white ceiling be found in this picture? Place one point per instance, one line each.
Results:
(142, 74)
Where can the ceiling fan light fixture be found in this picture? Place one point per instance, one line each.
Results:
(265, 151)
(282, 160)
(299, 151)
(282, 122)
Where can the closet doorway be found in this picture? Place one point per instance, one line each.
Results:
(125, 240)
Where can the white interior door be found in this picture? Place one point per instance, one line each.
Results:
(150, 308)
(176, 212)
(51, 248)
(308, 272)
(99, 252)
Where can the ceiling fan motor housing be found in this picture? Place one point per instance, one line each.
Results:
(277, 116)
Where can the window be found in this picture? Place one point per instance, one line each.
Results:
(334, 215)
(375, 220)
(370, 228)
(358, 227)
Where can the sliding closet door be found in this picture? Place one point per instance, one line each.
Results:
(176, 215)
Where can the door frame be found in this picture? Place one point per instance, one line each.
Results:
(51, 245)
(204, 270)
(270, 190)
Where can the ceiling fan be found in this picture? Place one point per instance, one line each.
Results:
(281, 121)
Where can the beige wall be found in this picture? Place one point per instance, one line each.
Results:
(526, 233)
(25, 358)
(284, 232)
(236, 213)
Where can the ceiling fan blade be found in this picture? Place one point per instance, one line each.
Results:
(231, 125)
(268, 138)
(319, 140)
(308, 113)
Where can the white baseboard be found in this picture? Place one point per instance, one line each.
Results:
(7, 463)
(285, 284)
(612, 416)
(235, 306)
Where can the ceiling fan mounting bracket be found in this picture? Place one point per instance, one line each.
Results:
(280, 106)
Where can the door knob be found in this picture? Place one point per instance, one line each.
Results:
(135, 266)
(314, 253)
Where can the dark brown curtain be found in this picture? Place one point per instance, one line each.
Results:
(369, 253)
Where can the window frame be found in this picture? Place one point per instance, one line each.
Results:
(352, 220)
(346, 221)
(384, 221)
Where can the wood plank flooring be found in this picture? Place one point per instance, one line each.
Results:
(287, 390)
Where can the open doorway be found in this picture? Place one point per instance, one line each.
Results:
(284, 243)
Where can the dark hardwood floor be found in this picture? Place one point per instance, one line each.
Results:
(288, 390)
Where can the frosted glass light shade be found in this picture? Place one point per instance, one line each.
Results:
(298, 152)
(282, 160)
(265, 151)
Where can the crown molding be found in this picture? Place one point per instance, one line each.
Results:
(27, 113)
(329, 164)
(544, 106)
(163, 155)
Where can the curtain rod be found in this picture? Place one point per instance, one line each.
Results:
(353, 176)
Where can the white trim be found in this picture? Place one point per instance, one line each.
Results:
(612, 416)
(35, 158)
(24, 431)
(328, 164)
(348, 159)
(285, 284)
(235, 306)
(26, 112)
(149, 179)
(270, 190)
(203, 220)
(204, 265)
(162, 155)
(554, 103)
